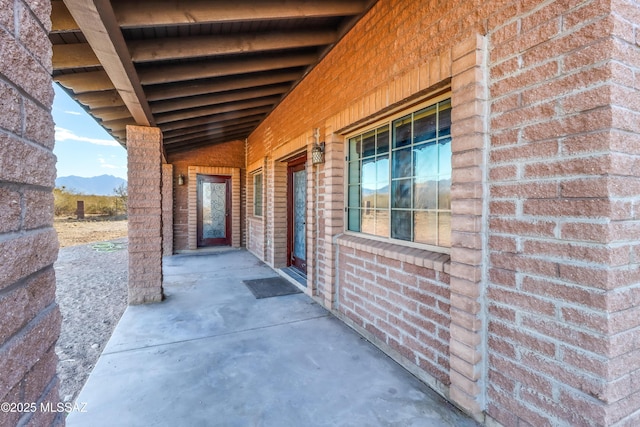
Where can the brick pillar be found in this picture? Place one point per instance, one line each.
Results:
(144, 153)
(276, 214)
(29, 316)
(167, 209)
(564, 272)
(468, 130)
(332, 193)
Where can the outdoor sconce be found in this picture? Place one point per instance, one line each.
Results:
(181, 179)
(317, 152)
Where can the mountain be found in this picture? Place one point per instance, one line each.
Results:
(102, 185)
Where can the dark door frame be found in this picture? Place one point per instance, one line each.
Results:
(295, 165)
(223, 241)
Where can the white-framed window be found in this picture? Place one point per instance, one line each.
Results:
(399, 177)
(257, 194)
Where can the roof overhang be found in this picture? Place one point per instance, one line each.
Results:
(202, 71)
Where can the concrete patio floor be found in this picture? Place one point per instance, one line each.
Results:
(212, 354)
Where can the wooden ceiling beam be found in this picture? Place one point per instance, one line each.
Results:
(217, 109)
(219, 68)
(213, 131)
(61, 19)
(163, 92)
(98, 23)
(119, 124)
(231, 136)
(92, 81)
(121, 135)
(215, 118)
(111, 113)
(74, 55)
(133, 14)
(202, 46)
(211, 126)
(222, 131)
(102, 99)
(216, 99)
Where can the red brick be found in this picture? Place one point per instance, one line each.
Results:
(589, 121)
(502, 313)
(10, 105)
(586, 208)
(34, 33)
(567, 334)
(522, 116)
(23, 163)
(502, 277)
(25, 302)
(24, 71)
(565, 292)
(38, 209)
(502, 208)
(10, 210)
(525, 264)
(551, 406)
(525, 302)
(520, 374)
(19, 252)
(21, 353)
(531, 151)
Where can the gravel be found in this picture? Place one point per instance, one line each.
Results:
(92, 294)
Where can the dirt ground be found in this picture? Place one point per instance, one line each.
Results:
(91, 291)
(73, 232)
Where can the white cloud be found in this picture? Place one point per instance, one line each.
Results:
(73, 113)
(63, 134)
(104, 164)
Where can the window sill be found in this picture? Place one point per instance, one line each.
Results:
(420, 257)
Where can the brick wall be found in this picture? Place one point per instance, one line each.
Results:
(543, 274)
(564, 277)
(29, 317)
(229, 154)
(402, 303)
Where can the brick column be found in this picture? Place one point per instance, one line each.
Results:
(29, 316)
(468, 87)
(333, 196)
(167, 209)
(275, 204)
(144, 152)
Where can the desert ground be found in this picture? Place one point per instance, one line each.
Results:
(91, 291)
(73, 232)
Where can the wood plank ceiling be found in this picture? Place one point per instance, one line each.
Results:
(202, 71)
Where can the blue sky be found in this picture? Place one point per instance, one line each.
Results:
(82, 146)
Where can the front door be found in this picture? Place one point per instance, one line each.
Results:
(297, 214)
(214, 209)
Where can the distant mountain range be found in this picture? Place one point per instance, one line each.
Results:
(102, 185)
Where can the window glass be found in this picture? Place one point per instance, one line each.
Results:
(257, 194)
(369, 144)
(399, 178)
(402, 132)
(382, 140)
(424, 125)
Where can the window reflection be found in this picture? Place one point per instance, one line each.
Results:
(400, 178)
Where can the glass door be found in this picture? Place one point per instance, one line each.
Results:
(214, 219)
(297, 214)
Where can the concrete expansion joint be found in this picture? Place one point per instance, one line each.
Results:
(240, 331)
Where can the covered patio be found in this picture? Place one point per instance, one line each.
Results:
(213, 354)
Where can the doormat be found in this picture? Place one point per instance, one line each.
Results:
(271, 287)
